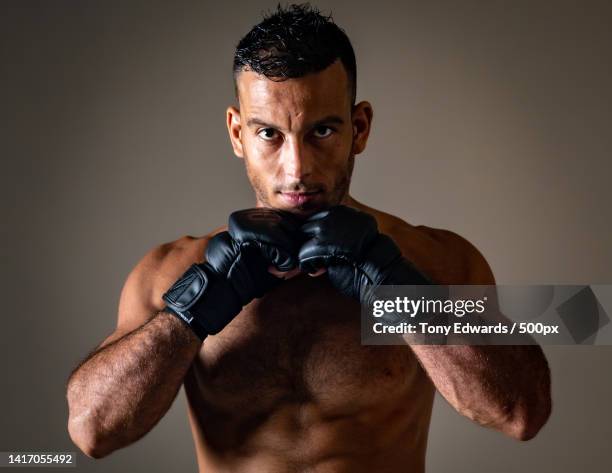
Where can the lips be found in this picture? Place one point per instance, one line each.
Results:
(299, 198)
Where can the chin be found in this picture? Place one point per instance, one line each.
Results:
(303, 210)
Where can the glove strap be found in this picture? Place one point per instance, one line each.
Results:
(404, 272)
(186, 292)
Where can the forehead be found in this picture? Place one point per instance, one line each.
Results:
(319, 93)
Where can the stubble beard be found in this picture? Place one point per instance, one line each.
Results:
(335, 196)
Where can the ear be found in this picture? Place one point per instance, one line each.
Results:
(235, 130)
(361, 119)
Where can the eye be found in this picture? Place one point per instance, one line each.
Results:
(268, 134)
(323, 131)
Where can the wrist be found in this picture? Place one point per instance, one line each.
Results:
(193, 326)
(181, 330)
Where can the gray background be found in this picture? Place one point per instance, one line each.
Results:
(492, 119)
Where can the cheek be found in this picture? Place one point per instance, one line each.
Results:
(342, 147)
(261, 164)
(261, 154)
(260, 172)
(334, 158)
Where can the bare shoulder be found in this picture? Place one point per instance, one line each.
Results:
(157, 270)
(164, 264)
(477, 268)
(445, 255)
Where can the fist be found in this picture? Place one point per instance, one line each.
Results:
(209, 295)
(274, 233)
(357, 257)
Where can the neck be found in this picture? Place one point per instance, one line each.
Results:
(350, 202)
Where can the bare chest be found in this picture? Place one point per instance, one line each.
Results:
(301, 344)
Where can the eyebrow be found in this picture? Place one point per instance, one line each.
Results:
(329, 119)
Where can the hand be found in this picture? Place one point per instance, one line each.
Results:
(209, 295)
(357, 257)
(275, 233)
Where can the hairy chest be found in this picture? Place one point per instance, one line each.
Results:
(301, 344)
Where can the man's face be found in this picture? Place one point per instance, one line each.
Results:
(298, 138)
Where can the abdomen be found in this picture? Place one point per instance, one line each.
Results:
(289, 376)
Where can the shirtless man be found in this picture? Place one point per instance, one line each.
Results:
(274, 372)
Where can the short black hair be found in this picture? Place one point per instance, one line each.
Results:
(294, 41)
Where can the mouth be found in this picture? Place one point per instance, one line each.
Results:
(299, 198)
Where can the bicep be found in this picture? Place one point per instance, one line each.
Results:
(139, 301)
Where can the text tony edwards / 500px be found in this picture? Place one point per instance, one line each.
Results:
(425, 328)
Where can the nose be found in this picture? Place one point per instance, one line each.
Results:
(297, 159)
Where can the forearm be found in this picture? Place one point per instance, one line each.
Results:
(123, 390)
(503, 387)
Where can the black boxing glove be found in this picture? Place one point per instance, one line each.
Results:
(275, 233)
(358, 258)
(209, 295)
